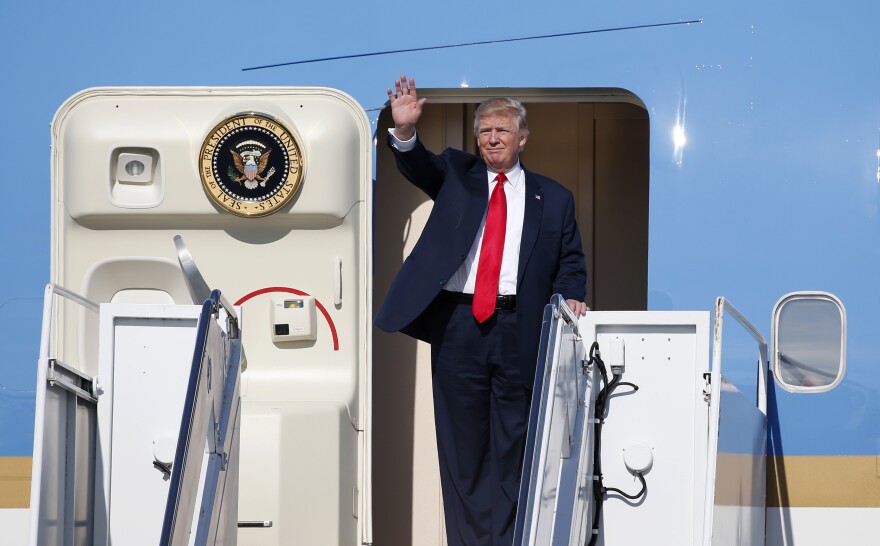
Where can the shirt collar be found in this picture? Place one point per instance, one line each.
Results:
(513, 175)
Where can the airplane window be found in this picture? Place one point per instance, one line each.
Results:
(809, 339)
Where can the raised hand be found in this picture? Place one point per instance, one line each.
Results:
(406, 107)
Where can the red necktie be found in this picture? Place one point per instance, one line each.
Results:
(489, 267)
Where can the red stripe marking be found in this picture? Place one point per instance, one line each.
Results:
(262, 291)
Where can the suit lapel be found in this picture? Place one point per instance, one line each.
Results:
(478, 188)
(531, 223)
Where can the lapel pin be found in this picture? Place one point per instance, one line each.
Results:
(538, 196)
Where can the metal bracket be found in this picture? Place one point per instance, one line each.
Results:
(264, 524)
(70, 379)
(164, 468)
(707, 389)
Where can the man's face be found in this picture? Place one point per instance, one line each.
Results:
(500, 140)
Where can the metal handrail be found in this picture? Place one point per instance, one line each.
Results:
(722, 305)
(198, 424)
(565, 312)
(43, 362)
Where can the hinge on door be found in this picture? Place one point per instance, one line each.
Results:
(707, 388)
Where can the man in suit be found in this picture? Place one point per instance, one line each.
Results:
(499, 242)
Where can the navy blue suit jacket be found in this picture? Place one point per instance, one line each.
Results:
(551, 256)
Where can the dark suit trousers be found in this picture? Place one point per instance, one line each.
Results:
(481, 411)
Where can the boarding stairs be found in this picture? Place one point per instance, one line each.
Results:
(681, 451)
(141, 449)
(145, 450)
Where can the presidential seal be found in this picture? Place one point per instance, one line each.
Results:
(251, 164)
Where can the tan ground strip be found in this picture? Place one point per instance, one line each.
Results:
(792, 481)
(15, 482)
(817, 481)
(734, 485)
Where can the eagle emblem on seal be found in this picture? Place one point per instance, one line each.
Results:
(250, 163)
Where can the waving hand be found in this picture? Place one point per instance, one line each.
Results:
(406, 107)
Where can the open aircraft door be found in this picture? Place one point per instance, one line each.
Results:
(271, 190)
(737, 460)
(634, 391)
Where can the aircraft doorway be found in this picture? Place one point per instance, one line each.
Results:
(593, 141)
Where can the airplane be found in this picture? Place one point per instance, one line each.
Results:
(733, 152)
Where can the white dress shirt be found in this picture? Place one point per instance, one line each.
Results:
(515, 192)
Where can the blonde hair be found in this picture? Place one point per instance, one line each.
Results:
(502, 104)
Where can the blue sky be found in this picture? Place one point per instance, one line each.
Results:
(782, 106)
(53, 49)
(59, 48)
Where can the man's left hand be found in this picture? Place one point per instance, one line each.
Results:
(579, 308)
